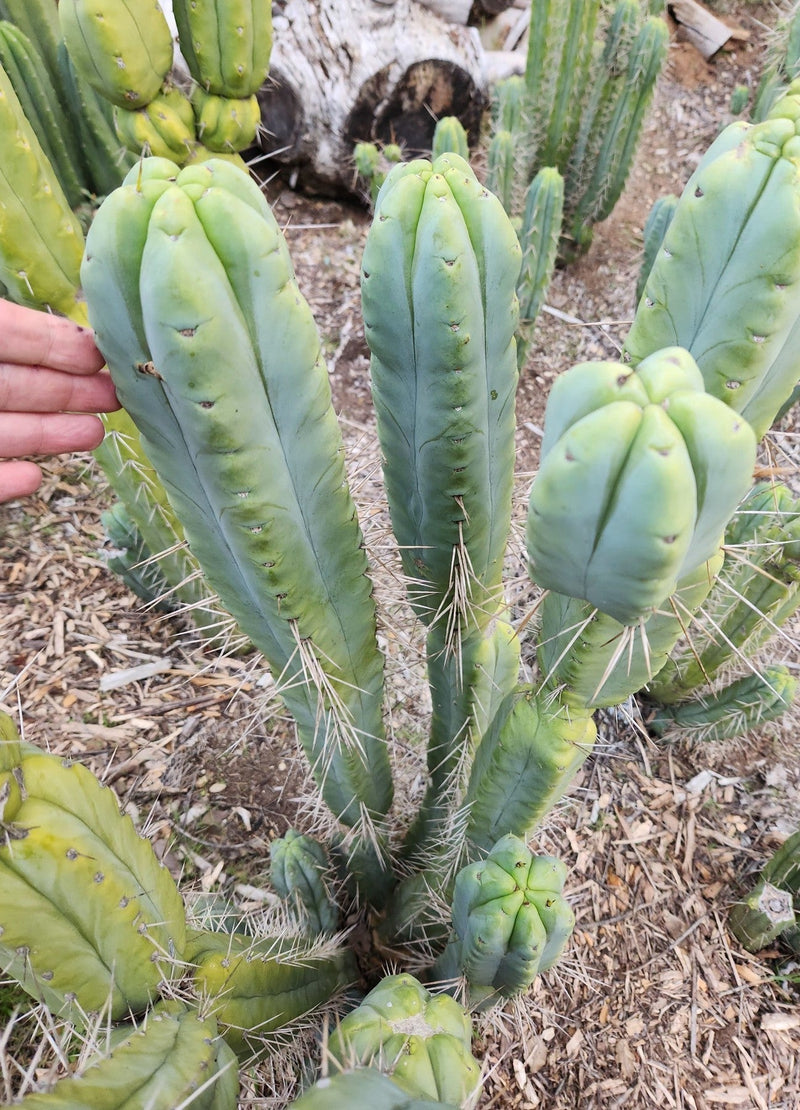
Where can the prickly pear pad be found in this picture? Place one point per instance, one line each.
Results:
(640, 471)
(216, 356)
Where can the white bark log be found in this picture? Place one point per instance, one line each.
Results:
(349, 70)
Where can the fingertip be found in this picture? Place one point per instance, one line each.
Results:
(19, 478)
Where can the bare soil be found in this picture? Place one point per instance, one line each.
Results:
(655, 1003)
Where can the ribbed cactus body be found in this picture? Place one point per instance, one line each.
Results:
(298, 865)
(450, 137)
(611, 157)
(731, 710)
(226, 43)
(443, 254)
(421, 1040)
(123, 48)
(757, 591)
(638, 477)
(655, 228)
(215, 354)
(106, 159)
(741, 323)
(594, 661)
(38, 22)
(255, 987)
(529, 755)
(501, 159)
(87, 913)
(510, 921)
(539, 236)
(164, 127)
(343, 1090)
(224, 124)
(176, 1058)
(25, 68)
(41, 241)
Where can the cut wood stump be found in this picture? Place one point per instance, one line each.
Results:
(346, 71)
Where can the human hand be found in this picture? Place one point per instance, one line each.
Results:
(50, 383)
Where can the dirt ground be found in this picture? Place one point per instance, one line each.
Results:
(655, 1003)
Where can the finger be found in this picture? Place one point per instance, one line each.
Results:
(41, 339)
(25, 433)
(18, 479)
(37, 389)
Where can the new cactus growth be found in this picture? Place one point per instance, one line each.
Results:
(619, 518)
(298, 868)
(510, 922)
(420, 1040)
(450, 137)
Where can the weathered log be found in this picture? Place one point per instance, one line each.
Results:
(345, 71)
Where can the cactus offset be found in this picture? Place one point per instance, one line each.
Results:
(420, 1040)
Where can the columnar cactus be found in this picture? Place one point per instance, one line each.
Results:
(254, 466)
(739, 322)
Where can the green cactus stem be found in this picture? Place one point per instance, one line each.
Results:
(254, 987)
(343, 1090)
(655, 228)
(761, 916)
(638, 477)
(442, 251)
(510, 922)
(733, 710)
(186, 272)
(524, 764)
(26, 70)
(420, 1040)
(87, 913)
(226, 44)
(175, 1058)
(739, 323)
(298, 866)
(539, 237)
(450, 137)
(123, 50)
(756, 592)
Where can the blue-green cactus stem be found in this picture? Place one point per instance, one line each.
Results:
(539, 236)
(637, 479)
(655, 228)
(594, 661)
(251, 454)
(510, 922)
(740, 323)
(525, 762)
(442, 252)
